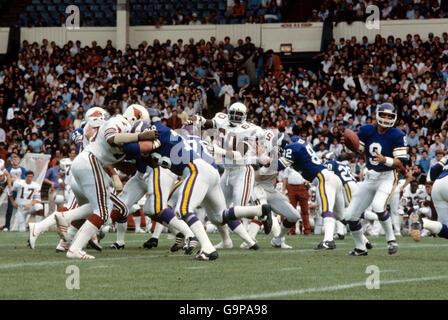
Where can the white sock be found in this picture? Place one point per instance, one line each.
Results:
(317, 226)
(71, 232)
(275, 230)
(358, 236)
(137, 221)
(87, 231)
(387, 226)
(224, 232)
(340, 228)
(433, 226)
(201, 235)
(253, 229)
(243, 234)
(329, 226)
(248, 211)
(283, 231)
(121, 232)
(182, 227)
(364, 238)
(82, 212)
(396, 222)
(157, 231)
(369, 215)
(45, 224)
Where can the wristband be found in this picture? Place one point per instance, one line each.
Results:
(389, 162)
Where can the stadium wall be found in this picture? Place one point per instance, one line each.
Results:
(4, 35)
(397, 28)
(304, 37)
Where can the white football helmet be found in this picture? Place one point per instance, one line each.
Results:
(136, 112)
(386, 109)
(59, 199)
(95, 117)
(237, 113)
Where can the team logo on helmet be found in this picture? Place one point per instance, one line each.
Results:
(96, 114)
(138, 114)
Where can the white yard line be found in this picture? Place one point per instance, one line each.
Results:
(290, 269)
(330, 288)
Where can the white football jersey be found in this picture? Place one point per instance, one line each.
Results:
(66, 165)
(232, 137)
(25, 192)
(99, 146)
(266, 176)
(414, 198)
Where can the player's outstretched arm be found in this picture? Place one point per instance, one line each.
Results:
(201, 121)
(121, 139)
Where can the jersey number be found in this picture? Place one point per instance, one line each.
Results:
(373, 148)
(314, 158)
(29, 196)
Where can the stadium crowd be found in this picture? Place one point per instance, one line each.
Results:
(47, 90)
(355, 10)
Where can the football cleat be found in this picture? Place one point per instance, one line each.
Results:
(255, 247)
(32, 235)
(79, 254)
(326, 245)
(151, 243)
(266, 218)
(280, 243)
(202, 256)
(190, 244)
(416, 227)
(244, 245)
(357, 252)
(178, 244)
(368, 245)
(62, 225)
(94, 244)
(392, 246)
(62, 246)
(224, 245)
(139, 230)
(339, 236)
(115, 246)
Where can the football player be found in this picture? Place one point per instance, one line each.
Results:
(301, 157)
(350, 187)
(93, 119)
(385, 149)
(189, 159)
(89, 174)
(265, 192)
(439, 174)
(234, 149)
(157, 182)
(27, 200)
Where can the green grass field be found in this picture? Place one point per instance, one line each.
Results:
(417, 271)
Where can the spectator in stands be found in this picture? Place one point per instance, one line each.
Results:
(194, 20)
(238, 10)
(243, 80)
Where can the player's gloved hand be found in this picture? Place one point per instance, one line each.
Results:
(118, 185)
(148, 135)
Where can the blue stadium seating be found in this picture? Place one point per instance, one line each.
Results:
(103, 12)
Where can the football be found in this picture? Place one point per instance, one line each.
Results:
(351, 140)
